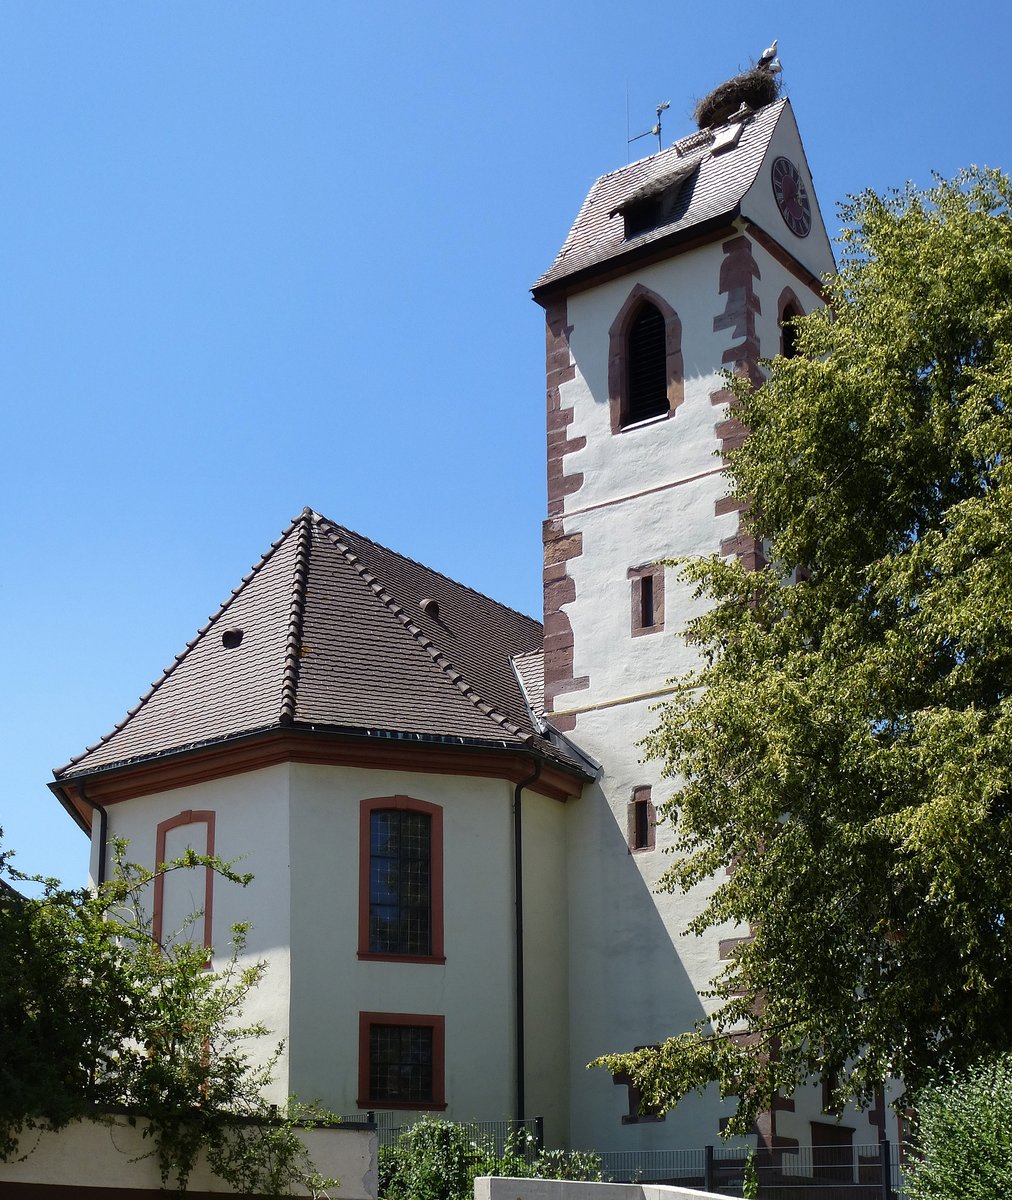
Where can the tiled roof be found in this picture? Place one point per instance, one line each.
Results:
(530, 669)
(711, 192)
(336, 631)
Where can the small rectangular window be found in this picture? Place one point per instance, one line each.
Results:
(401, 1061)
(642, 824)
(641, 215)
(635, 1115)
(647, 602)
(647, 598)
(642, 820)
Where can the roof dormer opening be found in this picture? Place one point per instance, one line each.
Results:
(642, 216)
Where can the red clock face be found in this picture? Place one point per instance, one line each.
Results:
(792, 197)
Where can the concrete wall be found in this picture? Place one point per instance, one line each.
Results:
(115, 1155)
(492, 1188)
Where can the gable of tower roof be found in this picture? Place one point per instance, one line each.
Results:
(328, 631)
(713, 183)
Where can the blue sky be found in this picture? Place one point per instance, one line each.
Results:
(256, 255)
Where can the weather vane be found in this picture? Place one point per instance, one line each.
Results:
(654, 129)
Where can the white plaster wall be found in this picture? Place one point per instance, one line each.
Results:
(251, 825)
(546, 963)
(774, 278)
(808, 1108)
(672, 524)
(624, 522)
(116, 1155)
(759, 204)
(634, 976)
(613, 466)
(473, 990)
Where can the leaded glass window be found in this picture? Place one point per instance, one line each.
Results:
(401, 1063)
(400, 882)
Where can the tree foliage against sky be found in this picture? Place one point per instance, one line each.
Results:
(845, 744)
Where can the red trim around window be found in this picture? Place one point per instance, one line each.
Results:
(787, 306)
(189, 817)
(401, 803)
(438, 1026)
(654, 572)
(641, 805)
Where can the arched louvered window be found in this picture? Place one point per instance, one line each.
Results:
(644, 360)
(788, 307)
(647, 358)
(788, 332)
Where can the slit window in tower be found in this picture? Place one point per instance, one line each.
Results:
(647, 583)
(642, 818)
(647, 601)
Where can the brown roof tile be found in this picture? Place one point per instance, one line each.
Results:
(711, 192)
(332, 633)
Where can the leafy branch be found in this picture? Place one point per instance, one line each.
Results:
(97, 1018)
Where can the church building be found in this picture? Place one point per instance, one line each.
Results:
(443, 803)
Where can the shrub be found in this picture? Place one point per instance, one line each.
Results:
(440, 1160)
(962, 1140)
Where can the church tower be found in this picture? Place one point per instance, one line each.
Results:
(677, 267)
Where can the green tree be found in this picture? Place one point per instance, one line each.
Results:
(97, 1018)
(962, 1140)
(845, 745)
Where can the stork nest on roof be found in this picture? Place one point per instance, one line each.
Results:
(756, 88)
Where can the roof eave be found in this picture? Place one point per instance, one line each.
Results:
(303, 742)
(680, 241)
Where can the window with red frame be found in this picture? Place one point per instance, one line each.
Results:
(401, 1060)
(401, 885)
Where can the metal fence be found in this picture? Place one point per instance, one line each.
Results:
(803, 1173)
(492, 1135)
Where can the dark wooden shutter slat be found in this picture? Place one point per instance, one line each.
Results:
(648, 373)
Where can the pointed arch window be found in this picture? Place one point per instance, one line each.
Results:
(788, 308)
(644, 360)
(647, 366)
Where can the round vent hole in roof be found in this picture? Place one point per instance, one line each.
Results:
(231, 638)
(430, 608)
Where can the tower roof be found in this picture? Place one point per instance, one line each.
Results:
(333, 631)
(712, 169)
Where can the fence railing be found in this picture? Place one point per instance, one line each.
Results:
(493, 1135)
(869, 1172)
(803, 1173)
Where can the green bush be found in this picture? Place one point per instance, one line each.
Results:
(962, 1141)
(439, 1160)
